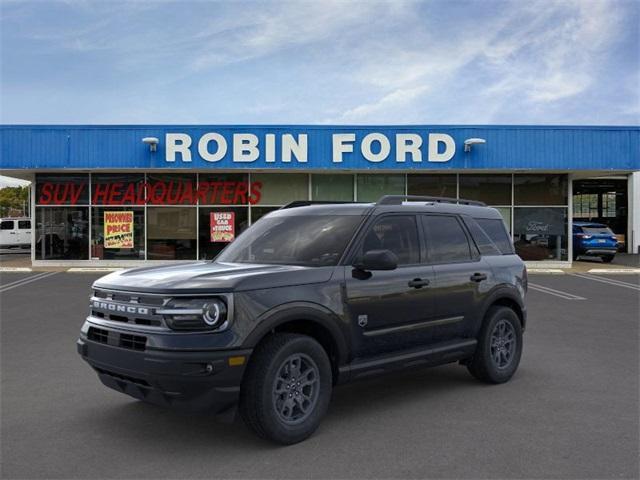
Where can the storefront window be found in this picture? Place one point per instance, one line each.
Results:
(432, 185)
(171, 189)
(219, 226)
(227, 189)
(506, 216)
(540, 233)
(373, 186)
(62, 233)
(491, 189)
(258, 212)
(62, 189)
(540, 189)
(281, 188)
(332, 187)
(171, 233)
(117, 189)
(117, 233)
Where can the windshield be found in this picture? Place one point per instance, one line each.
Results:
(313, 240)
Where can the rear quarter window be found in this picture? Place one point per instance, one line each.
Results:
(497, 232)
(481, 239)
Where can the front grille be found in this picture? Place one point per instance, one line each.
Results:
(98, 335)
(128, 308)
(122, 340)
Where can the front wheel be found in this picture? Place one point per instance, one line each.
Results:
(608, 258)
(499, 347)
(287, 388)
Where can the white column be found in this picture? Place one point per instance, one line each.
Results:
(633, 243)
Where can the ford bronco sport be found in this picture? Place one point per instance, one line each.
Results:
(310, 296)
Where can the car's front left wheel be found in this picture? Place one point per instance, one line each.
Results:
(287, 388)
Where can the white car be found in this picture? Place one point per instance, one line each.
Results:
(15, 232)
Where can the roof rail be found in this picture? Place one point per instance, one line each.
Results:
(306, 203)
(398, 199)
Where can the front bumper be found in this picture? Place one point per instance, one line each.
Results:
(193, 380)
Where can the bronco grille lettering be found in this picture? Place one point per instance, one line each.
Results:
(116, 307)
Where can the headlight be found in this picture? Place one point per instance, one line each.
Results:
(195, 313)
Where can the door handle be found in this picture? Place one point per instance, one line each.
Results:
(478, 277)
(418, 283)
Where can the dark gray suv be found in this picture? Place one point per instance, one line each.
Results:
(310, 296)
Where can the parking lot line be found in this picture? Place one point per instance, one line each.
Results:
(554, 292)
(608, 281)
(24, 281)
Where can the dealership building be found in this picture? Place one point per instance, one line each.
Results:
(121, 195)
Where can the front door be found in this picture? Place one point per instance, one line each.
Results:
(388, 308)
(8, 233)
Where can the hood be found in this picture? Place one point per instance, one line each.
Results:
(207, 277)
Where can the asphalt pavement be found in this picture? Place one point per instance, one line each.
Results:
(571, 411)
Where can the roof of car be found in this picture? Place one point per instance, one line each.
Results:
(589, 224)
(308, 208)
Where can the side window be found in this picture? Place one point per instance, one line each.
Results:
(6, 225)
(24, 224)
(396, 233)
(482, 240)
(446, 240)
(497, 232)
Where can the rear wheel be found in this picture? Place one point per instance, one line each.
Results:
(287, 388)
(499, 347)
(608, 258)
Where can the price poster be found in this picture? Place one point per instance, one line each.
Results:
(118, 229)
(223, 226)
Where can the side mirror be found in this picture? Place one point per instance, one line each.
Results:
(377, 260)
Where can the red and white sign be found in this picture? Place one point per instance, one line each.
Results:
(223, 226)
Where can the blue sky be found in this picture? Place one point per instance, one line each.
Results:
(321, 62)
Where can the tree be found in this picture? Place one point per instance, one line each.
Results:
(14, 200)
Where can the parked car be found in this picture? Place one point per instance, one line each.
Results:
(15, 232)
(594, 239)
(308, 297)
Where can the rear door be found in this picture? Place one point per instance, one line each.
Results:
(24, 232)
(389, 308)
(461, 276)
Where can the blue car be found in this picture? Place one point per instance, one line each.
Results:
(594, 239)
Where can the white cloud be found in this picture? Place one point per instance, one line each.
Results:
(399, 98)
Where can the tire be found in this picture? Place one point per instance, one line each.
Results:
(488, 365)
(608, 258)
(268, 402)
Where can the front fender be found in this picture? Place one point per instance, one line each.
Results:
(308, 311)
